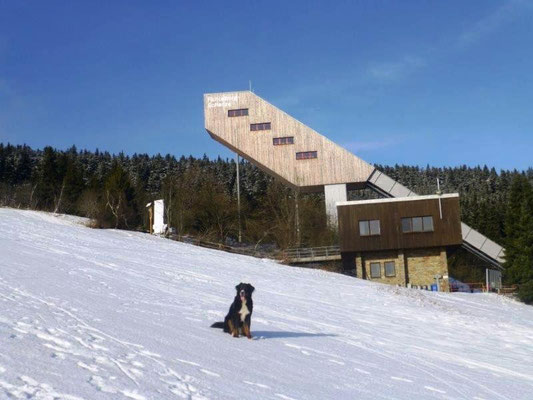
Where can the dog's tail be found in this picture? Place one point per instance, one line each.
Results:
(219, 325)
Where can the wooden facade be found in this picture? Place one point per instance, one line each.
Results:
(251, 134)
(446, 231)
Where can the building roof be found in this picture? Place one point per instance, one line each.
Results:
(396, 199)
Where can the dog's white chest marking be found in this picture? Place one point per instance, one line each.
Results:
(244, 311)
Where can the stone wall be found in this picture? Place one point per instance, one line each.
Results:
(383, 256)
(417, 267)
(424, 264)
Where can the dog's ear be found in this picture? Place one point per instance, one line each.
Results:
(238, 287)
(251, 289)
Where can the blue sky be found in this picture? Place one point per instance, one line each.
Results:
(443, 83)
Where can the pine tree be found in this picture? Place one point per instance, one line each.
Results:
(519, 232)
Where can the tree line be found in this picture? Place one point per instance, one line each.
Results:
(200, 197)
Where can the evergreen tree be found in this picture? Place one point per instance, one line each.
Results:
(519, 232)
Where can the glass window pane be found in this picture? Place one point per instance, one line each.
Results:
(428, 224)
(375, 270)
(417, 224)
(374, 227)
(390, 269)
(406, 225)
(364, 229)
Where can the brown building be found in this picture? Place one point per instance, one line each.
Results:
(400, 241)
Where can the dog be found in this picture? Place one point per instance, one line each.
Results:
(239, 316)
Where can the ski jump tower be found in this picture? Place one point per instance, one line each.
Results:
(305, 160)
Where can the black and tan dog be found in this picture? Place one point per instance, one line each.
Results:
(239, 317)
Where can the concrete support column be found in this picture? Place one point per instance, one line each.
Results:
(334, 193)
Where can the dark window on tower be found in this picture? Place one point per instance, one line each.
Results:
(305, 155)
(238, 113)
(263, 126)
(283, 140)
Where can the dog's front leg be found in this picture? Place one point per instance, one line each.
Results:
(233, 329)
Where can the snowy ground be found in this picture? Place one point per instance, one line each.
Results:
(98, 314)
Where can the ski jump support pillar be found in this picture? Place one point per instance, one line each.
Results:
(334, 194)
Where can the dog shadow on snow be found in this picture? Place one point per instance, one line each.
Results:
(261, 335)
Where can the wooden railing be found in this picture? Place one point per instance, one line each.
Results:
(310, 254)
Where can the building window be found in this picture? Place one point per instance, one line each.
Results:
(283, 140)
(369, 228)
(238, 113)
(390, 268)
(263, 126)
(375, 270)
(428, 224)
(417, 224)
(306, 155)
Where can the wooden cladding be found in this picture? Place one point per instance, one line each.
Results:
(263, 126)
(241, 112)
(427, 229)
(306, 155)
(252, 137)
(277, 141)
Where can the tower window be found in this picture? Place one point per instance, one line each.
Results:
(241, 112)
(277, 141)
(305, 155)
(263, 126)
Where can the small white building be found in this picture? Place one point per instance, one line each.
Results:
(156, 210)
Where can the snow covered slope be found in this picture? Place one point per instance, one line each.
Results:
(98, 314)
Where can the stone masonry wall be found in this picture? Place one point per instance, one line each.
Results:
(417, 267)
(424, 264)
(382, 256)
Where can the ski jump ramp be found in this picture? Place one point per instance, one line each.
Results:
(304, 159)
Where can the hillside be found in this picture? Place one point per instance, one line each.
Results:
(106, 314)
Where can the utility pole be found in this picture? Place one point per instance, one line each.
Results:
(239, 198)
(297, 218)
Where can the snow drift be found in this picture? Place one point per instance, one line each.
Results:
(106, 314)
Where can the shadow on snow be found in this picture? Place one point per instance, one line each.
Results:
(260, 335)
